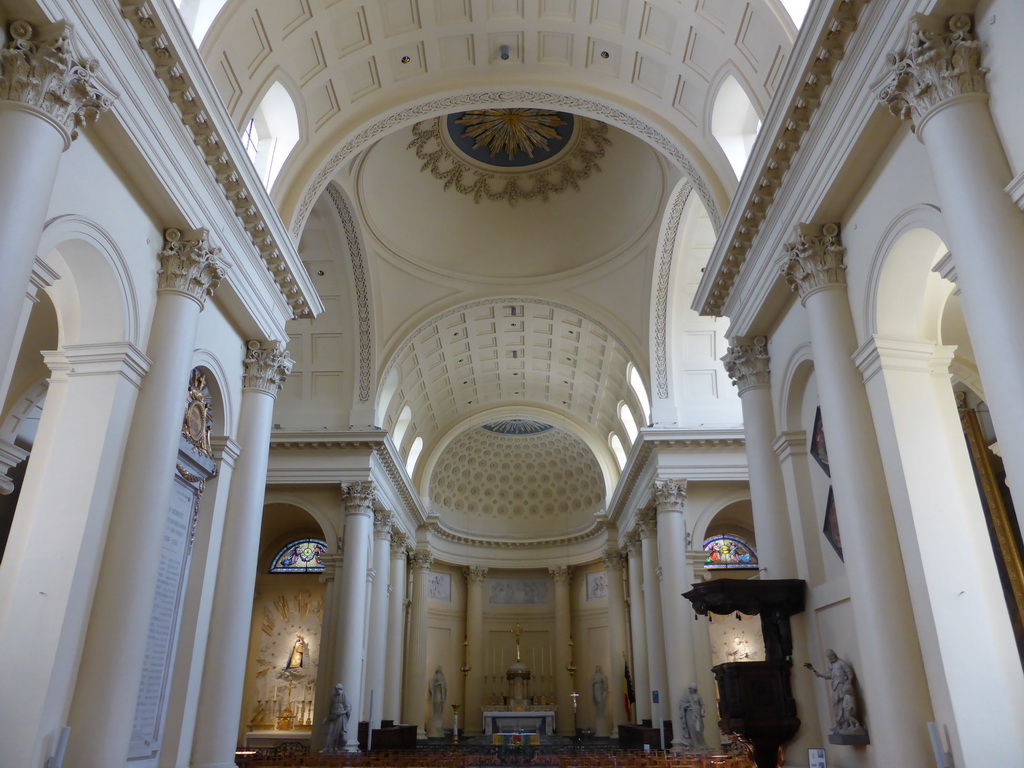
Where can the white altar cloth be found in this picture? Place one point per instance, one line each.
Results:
(507, 722)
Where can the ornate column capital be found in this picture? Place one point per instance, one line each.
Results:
(40, 71)
(266, 368)
(189, 264)
(940, 62)
(382, 525)
(746, 362)
(647, 522)
(816, 260)
(669, 495)
(475, 575)
(399, 543)
(561, 573)
(632, 542)
(359, 498)
(421, 559)
(613, 559)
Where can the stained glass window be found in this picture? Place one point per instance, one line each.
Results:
(726, 551)
(302, 556)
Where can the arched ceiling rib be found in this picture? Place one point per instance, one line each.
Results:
(349, 62)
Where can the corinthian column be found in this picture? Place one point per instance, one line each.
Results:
(890, 667)
(669, 503)
(638, 626)
(376, 652)
(475, 578)
(126, 590)
(47, 93)
(396, 628)
(937, 83)
(746, 362)
(415, 694)
(564, 683)
(656, 672)
(614, 560)
(333, 563)
(220, 700)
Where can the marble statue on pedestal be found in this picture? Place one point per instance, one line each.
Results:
(691, 716)
(846, 728)
(438, 688)
(336, 721)
(599, 690)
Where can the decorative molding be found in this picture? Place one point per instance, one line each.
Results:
(669, 495)
(512, 184)
(189, 264)
(39, 70)
(169, 68)
(561, 573)
(815, 260)
(355, 252)
(940, 62)
(747, 363)
(475, 575)
(359, 497)
(266, 368)
(946, 269)
(10, 457)
(382, 525)
(483, 99)
(592, 531)
(665, 262)
(816, 77)
(790, 444)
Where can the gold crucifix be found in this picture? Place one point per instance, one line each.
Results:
(517, 631)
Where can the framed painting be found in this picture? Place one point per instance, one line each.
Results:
(818, 450)
(831, 527)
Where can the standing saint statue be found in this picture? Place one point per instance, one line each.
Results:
(599, 690)
(844, 705)
(691, 714)
(438, 692)
(298, 654)
(336, 721)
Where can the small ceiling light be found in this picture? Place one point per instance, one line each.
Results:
(406, 59)
(504, 53)
(605, 54)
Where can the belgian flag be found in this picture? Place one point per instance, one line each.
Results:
(628, 692)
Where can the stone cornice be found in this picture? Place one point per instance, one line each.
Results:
(940, 62)
(189, 264)
(757, 191)
(40, 71)
(747, 364)
(592, 531)
(220, 152)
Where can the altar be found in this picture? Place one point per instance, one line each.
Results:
(542, 722)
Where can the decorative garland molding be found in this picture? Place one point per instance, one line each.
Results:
(170, 69)
(355, 250)
(667, 258)
(485, 99)
(751, 213)
(592, 531)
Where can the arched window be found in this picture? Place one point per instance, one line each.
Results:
(797, 10)
(734, 123)
(398, 433)
(628, 422)
(725, 551)
(199, 16)
(300, 556)
(617, 449)
(414, 455)
(637, 384)
(272, 133)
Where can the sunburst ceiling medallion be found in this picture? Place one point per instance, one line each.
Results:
(517, 427)
(510, 154)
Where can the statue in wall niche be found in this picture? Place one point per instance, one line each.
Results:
(438, 692)
(691, 715)
(846, 728)
(599, 689)
(336, 721)
(297, 657)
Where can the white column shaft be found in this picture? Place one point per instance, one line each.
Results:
(65, 500)
(350, 619)
(414, 697)
(396, 639)
(472, 714)
(890, 667)
(220, 700)
(616, 643)
(325, 674)
(655, 627)
(30, 151)
(127, 584)
(677, 615)
(767, 491)
(638, 625)
(378, 631)
(564, 683)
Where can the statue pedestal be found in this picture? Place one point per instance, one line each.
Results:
(435, 727)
